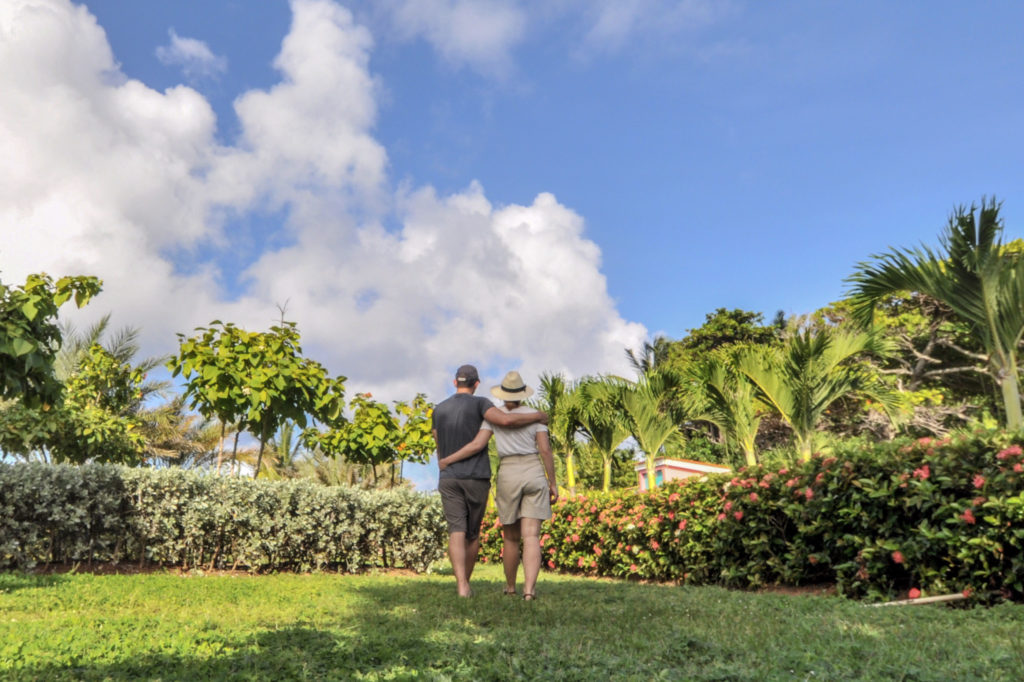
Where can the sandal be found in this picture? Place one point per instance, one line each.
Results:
(529, 596)
(509, 592)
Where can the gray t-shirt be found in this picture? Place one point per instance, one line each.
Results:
(457, 420)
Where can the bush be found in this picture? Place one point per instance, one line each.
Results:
(936, 516)
(58, 514)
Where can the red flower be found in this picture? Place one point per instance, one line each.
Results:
(655, 545)
(809, 493)
(593, 564)
(728, 506)
(673, 497)
(783, 472)
(633, 568)
(551, 564)
(967, 592)
(791, 482)
(575, 538)
(897, 557)
(812, 559)
(978, 480)
(914, 593)
(597, 550)
(764, 484)
(753, 497)
(968, 516)
(820, 477)
(1018, 467)
(544, 538)
(580, 562)
(738, 515)
(682, 525)
(923, 473)
(1010, 451)
(721, 517)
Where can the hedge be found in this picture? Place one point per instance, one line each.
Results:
(174, 517)
(931, 516)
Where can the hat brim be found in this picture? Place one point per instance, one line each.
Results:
(518, 396)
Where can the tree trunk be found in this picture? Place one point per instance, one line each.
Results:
(570, 473)
(263, 443)
(220, 450)
(651, 481)
(606, 483)
(1011, 399)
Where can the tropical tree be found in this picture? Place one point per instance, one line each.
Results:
(651, 356)
(30, 336)
(812, 371)
(718, 393)
(972, 273)
(557, 396)
(600, 417)
(257, 379)
(375, 436)
(651, 423)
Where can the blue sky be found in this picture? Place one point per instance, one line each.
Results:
(512, 183)
(747, 160)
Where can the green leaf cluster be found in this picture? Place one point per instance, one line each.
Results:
(30, 336)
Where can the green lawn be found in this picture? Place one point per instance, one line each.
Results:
(383, 627)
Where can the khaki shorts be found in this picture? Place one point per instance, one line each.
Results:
(523, 491)
(464, 501)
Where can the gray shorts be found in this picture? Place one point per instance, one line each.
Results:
(464, 501)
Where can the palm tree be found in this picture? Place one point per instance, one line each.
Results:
(601, 418)
(651, 357)
(283, 450)
(719, 394)
(558, 398)
(650, 423)
(973, 274)
(811, 372)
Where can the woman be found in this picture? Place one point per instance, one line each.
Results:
(526, 483)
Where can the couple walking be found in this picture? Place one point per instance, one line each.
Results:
(463, 425)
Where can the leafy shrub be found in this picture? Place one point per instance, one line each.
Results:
(936, 516)
(184, 518)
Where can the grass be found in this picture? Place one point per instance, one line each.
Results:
(385, 627)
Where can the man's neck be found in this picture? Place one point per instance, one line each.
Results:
(465, 389)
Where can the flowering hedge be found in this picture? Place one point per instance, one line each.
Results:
(922, 517)
(184, 518)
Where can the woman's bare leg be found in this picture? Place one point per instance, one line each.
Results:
(510, 554)
(530, 529)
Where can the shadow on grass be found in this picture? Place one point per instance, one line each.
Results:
(16, 580)
(418, 628)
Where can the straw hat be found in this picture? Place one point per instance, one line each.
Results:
(512, 388)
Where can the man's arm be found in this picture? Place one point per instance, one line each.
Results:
(513, 420)
(468, 450)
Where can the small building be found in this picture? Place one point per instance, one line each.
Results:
(668, 469)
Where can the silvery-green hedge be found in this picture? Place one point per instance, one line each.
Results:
(172, 517)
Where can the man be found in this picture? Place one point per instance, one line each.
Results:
(464, 485)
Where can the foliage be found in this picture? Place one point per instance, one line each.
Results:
(719, 394)
(176, 517)
(375, 436)
(937, 516)
(30, 336)
(258, 380)
(811, 372)
(558, 397)
(601, 419)
(95, 422)
(649, 420)
(981, 281)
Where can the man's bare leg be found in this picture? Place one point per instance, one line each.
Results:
(510, 555)
(462, 554)
(531, 555)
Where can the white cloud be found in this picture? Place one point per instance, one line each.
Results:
(193, 56)
(480, 34)
(103, 175)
